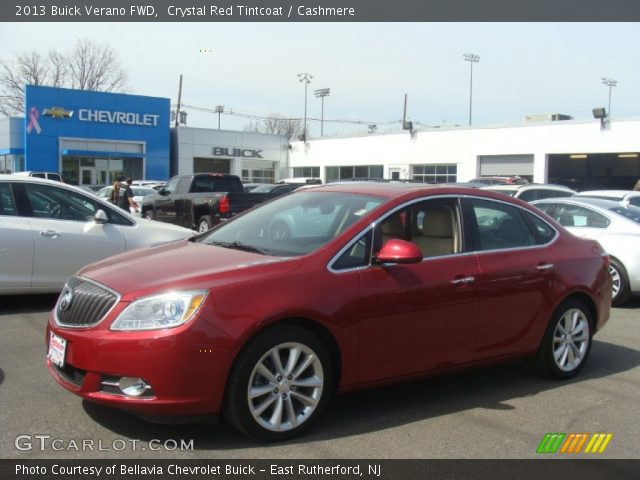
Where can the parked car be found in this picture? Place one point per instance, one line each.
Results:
(624, 197)
(48, 175)
(488, 180)
(248, 187)
(275, 190)
(138, 196)
(305, 180)
(532, 191)
(155, 184)
(199, 201)
(49, 230)
(615, 226)
(387, 286)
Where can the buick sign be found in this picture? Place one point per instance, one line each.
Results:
(236, 152)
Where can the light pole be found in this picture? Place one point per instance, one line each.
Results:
(609, 82)
(306, 79)
(219, 109)
(471, 58)
(321, 93)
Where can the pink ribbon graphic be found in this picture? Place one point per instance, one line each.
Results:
(33, 123)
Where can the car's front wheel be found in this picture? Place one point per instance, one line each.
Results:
(280, 383)
(148, 214)
(567, 341)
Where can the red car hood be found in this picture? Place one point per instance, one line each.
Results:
(181, 264)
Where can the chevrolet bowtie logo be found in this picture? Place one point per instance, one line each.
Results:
(57, 112)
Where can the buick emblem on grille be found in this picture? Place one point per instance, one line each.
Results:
(65, 301)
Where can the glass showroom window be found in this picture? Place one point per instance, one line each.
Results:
(435, 173)
(306, 172)
(334, 174)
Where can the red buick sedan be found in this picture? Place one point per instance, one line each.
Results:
(330, 289)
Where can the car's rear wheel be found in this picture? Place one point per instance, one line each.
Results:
(621, 290)
(279, 384)
(148, 214)
(567, 341)
(204, 224)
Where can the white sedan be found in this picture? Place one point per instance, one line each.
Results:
(50, 230)
(615, 226)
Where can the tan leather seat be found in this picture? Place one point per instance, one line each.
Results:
(392, 227)
(438, 237)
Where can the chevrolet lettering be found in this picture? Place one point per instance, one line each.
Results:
(126, 118)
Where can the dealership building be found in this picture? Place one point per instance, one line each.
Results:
(94, 137)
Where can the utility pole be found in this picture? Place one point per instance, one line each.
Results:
(609, 82)
(219, 109)
(179, 100)
(306, 78)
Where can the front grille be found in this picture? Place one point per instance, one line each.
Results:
(71, 374)
(83, 303)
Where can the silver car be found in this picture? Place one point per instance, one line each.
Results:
(50, 230)
(615, 226)
(624, 197)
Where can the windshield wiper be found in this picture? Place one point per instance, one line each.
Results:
(241, 246)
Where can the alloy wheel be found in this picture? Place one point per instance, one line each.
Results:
(617, 280)
(571, 340)
(285, 387)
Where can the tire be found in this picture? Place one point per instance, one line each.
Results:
(621, 291)
(272, 402)
(567, 341)
(149, 215)
(279, 232)
(204, 224)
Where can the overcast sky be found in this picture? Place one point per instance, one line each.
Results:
(524, 68)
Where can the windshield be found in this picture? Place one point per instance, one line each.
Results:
(293, 225)
(630, 212)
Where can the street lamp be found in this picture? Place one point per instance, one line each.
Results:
(321, 93)
(219, 109)
(471, 58)
(306, 79)
(609, 82)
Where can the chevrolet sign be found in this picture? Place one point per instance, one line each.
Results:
(125, 118)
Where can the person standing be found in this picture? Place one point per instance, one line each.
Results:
(125, 196)
(115, 192)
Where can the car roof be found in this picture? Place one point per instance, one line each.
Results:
(589, 201)
(617, 194)
(402, 190)
(527, 186)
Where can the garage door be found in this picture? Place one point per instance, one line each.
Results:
(506, 165)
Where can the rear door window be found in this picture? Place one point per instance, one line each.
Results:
(499, 226)
(7, 205)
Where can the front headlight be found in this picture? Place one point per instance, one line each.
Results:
(159, 311)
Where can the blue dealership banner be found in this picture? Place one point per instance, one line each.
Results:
(64, 123)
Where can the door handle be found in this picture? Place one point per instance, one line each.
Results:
(463, 280)
(545, 266)
(49, 233)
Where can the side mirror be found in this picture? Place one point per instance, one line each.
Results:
(101, 217)
(399, 251)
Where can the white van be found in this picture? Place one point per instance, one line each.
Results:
(48, 175)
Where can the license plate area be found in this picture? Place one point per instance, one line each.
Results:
(57, 350)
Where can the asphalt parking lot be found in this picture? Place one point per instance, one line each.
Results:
(500, 412)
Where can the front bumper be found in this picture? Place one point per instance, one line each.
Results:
(185, 367)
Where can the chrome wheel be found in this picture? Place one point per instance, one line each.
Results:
(203, 227)
(285, 387)
(571, 340)
(617, 280)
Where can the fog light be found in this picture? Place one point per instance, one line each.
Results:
(133, 386)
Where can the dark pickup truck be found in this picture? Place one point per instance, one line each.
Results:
(199, 201)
